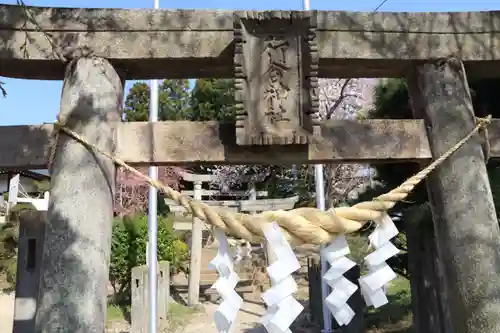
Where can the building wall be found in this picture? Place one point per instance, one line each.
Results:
(26, 183)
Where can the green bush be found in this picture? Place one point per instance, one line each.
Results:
(128, 250)
(9, 241)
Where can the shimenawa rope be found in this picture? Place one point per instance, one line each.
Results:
(300, 225)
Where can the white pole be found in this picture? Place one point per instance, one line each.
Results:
(325, 288)
(320, 204)
(153, 217)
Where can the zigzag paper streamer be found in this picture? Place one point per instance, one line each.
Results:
(225, 315)
(380, 274)
(342, 288)
(283, 308)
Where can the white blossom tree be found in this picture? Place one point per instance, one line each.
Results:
(345, 99)
(339, 99)
(233, 176)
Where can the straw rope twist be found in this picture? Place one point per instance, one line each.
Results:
(300, 225)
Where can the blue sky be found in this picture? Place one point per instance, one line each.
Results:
(35, 102)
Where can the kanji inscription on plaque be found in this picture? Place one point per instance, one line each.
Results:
(276, 81)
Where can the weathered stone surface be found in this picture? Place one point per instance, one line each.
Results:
(465, 221)
(29, 260)
(187, 43)
(210, 142)
(430, 308)
(28, 146)
(165, 143)
(139, 294)
(276, 78)
(77, 244)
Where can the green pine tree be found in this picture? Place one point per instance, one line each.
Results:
(173, 101)
(213, 99)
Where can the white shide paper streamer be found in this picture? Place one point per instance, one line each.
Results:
(342, 288)
(225, 315)
(283, 308)
(379, 273)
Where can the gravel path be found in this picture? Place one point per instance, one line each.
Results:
(247, 320)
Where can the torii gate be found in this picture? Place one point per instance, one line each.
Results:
(95, 50)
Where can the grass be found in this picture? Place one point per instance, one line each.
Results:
(115, 316)
(394, 317)
(178, 315)
(115, 313)
(5, 286)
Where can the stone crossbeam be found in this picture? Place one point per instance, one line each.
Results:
(164, 143)
(199, 43)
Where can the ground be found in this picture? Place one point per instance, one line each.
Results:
(248, 317)
(394, 317)
(6, 312)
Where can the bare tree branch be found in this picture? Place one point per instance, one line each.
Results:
(2, 89)
(339, 100)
